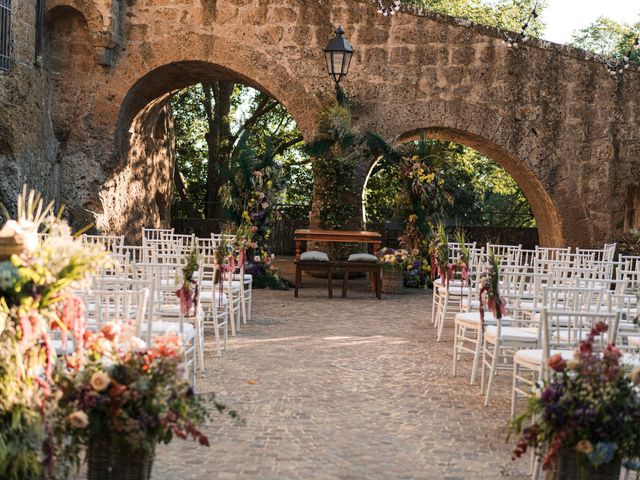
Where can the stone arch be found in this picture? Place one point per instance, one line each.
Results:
(544, 209)
(93, 18)
(144, 144)
(68, 47)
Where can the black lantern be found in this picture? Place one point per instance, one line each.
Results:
(338, 55)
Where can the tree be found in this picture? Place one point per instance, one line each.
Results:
(210, 119)
(608, 37)
(506, 14)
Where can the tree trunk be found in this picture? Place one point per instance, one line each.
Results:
(183, 193)
(217, 106)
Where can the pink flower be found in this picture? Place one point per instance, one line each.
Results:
(257, 174)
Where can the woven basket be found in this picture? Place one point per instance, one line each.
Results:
(568, 468)
(105, 463)
(392, 280)
(10, 246)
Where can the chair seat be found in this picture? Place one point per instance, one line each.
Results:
(634, 341)
(173, 311)
(533, 356)
(452, 283)
(207, 299)
(208, 285)
(248, 278)
(630, 359)
(511, 334)
(473, 305)
(161, 328)
(472, 319)
(458, 291)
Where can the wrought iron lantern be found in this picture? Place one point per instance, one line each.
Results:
(338, 55)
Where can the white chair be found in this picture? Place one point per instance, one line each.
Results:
(567, 316)
(111, 243)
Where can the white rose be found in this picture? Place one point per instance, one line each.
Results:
(100, 381)
(78, 419)
(136, 344)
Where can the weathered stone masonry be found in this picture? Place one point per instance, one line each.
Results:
(92, 125)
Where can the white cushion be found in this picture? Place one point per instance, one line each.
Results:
(634, 341)
(631, 359)
(161, 328)
(314, 256)
(173, 310)
(452, 283)
(533, 356)
(362, 257)
(472, 319)
(248, 278)
(511, 334)
(219, 299)
(473, 305)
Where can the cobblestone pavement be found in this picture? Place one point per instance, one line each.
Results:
(344, 389)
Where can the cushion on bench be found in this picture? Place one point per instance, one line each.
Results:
(314, 256)
(362, 257)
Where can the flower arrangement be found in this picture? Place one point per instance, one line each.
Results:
(35, 299)
(126, 397)
(489, 286)
(590, 406)
(393, 259)
(188, 298)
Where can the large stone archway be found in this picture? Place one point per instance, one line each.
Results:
(551, 115)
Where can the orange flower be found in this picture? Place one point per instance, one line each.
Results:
(117, 390)
(557, 363)
(110, 330)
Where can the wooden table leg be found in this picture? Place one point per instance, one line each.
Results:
(330, 282)
(298, 250)
(378, 285)
(345, 283)
(298, 279)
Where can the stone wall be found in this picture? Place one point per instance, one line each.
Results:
(28, 149)
(550, 115)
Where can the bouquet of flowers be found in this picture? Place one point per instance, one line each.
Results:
(35, 299)
(417, 272)
(589, 409)
(122, 398)
(394, 259)
(489, 285)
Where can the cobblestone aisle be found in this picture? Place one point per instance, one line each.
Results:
(344, 389)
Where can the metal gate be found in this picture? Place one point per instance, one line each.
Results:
(5, 35)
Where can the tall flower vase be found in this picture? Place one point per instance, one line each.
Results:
(104, 462)
(568, 467)
(392, 280)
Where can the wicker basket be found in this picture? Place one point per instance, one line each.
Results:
(392, 280)
(568, 468)
(105, 463)
(10, 246)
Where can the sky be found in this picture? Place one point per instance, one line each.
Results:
(563, 17)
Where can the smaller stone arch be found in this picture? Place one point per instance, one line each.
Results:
(544, 209)
(87, 9)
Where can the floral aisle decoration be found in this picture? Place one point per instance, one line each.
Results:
(584, 419)
(121, 398)
(489, 286)
(464, 257)
(440, 256)
(394, 263)
(413, 240)
(188, 292)
(37, 277)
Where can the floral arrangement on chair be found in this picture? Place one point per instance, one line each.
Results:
(35, 299)
(439, 250)
(588, 409)
(464, 256)
(489, 286)
(120, 398)
(188, 297)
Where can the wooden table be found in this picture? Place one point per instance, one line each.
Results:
(336, 236)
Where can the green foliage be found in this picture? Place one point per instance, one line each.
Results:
(472, 184)
(507, 14)
(608, 37)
